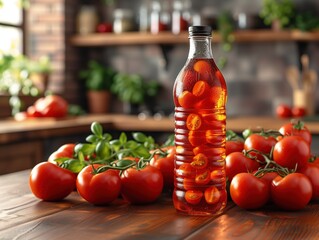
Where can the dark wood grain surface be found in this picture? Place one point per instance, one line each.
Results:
(22, 216)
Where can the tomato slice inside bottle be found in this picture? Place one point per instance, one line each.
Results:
(200, 161)
(212, 195)
(193, 196)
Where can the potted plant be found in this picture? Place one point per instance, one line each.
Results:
(16, 88)
(39, 73)
(277, 13)
(133, 91)
(98, 82)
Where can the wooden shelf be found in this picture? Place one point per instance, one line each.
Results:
(138, 38)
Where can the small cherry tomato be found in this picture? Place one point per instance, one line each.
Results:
(292, 192)
(212, 195)
(49, 182)
(237, 162)
(292, 152)
(200, 161)
(165, 163)
(260, 143)
(296, 129)
(312, 172)
(140, 186)
(248, 191)
(234, 146)
(98, 188)
(283, 111)
(298, 112)
(193, 196)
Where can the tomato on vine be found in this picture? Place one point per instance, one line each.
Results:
(50, 182)
(98, 188)
(296, 129)
(292, 192)
(292, 152)
(248, 191)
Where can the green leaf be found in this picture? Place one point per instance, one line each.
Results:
(91, 138)
(140, 137)
(107, 137)
(97, 129)
(116, 145)
(74, 165)
(123, 138)
(103, 150)
(141, 151)
(85, 148)
(131, 144)
(246, 133)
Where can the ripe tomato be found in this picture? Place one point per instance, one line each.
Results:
(200, 161)
(166, 165)
(142, 186)
(52, 106)
(49, 182)
(66, 150)
(234, 146)
(193, 196)
(99, 189)
(32, 112)
(292, 152)
(212, 195)
(187, 99)
(296, 129)
(312, 172)
(201, 90)
(292, 192)
(248, 191)
(260, 143)
(237, 162)
(283, 111)
(298, 111)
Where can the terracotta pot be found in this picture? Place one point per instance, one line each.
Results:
(98, 101)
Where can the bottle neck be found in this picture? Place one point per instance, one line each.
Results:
(200, 47)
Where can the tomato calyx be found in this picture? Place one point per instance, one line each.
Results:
(232, 136)
(299, 125)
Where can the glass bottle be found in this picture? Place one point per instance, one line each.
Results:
(200, 96)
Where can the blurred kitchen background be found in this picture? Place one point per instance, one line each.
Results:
(65, 39)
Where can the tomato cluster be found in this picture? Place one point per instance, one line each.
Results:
(285, 111)
(103, 169)
(49, 106)
(274, 167)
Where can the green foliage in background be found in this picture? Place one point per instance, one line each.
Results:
(97, 77)
(281, 10)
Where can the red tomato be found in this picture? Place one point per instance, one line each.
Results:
(50, 182)
(260, 143)
(202, 178)
(237, 162)
(98, 189)
(200, 161)
(143, 185)
(32, 112)
(166, 165)
(186, 170)
(248, 191)
(283, 111)
(193, 196)
(52, 106)
(296, 129)
(66, 150)
(187, 99)
(189, 79)
(234, 146)
(298, 111)
(293, 192)
(201, 90)
(292, 152)
(212, 195)
(104, 27)
(312, 172)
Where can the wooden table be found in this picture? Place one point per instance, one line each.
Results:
(22, 216)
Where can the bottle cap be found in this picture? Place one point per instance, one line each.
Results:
(200, 31)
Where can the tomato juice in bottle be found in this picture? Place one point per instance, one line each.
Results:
(200, 96)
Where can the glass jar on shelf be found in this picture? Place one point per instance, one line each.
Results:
(123, 21)
(179, 24)
(87, 20)
(160, 18)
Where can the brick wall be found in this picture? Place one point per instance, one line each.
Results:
(50, 23)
